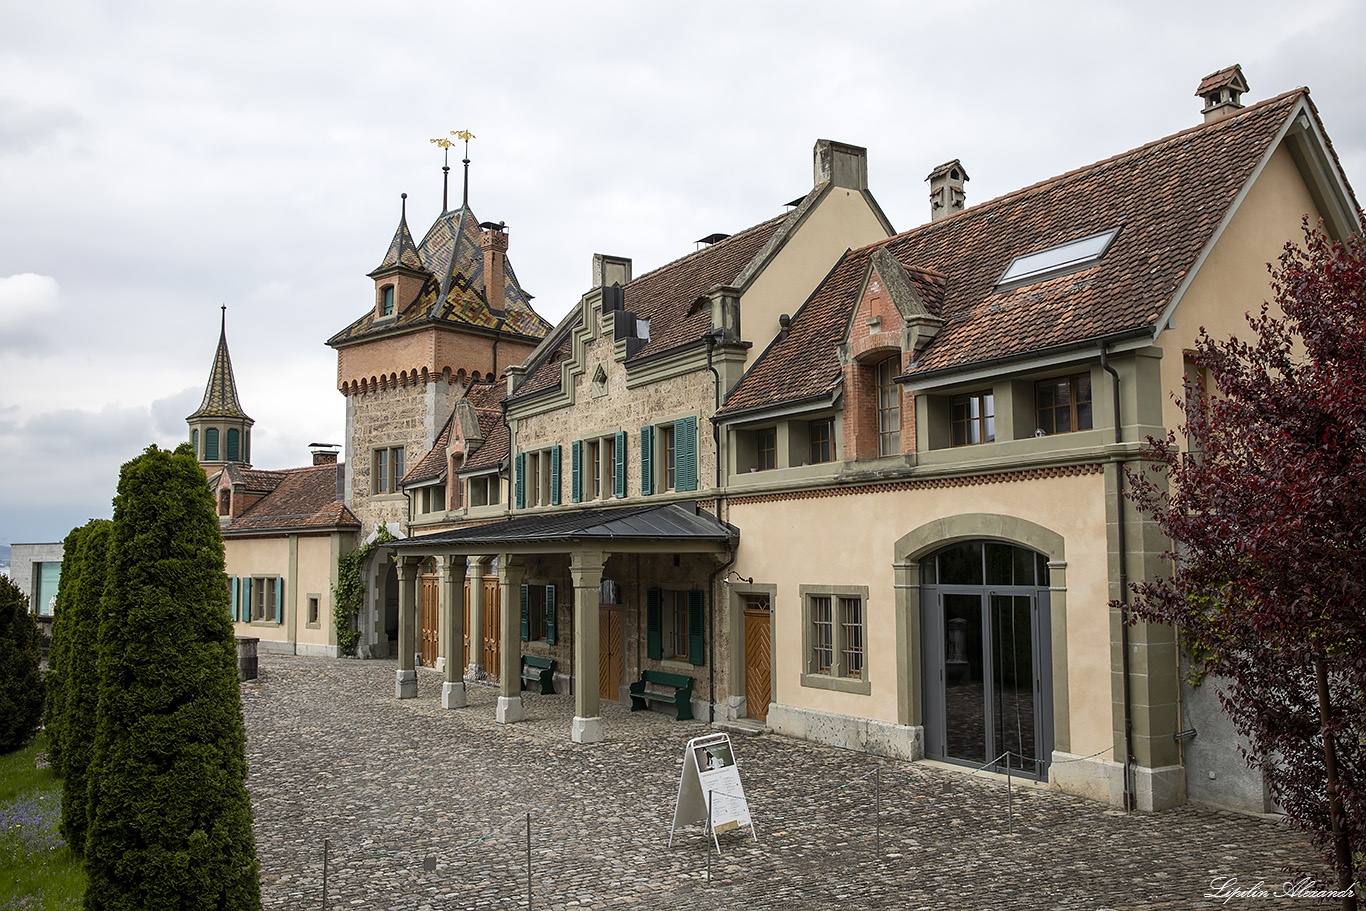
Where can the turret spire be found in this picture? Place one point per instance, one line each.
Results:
(220, 430)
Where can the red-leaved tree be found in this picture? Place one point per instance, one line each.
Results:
(1266, 504)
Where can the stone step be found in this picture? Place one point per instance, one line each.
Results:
(747, 726)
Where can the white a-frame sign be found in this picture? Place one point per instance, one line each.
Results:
(710, 790)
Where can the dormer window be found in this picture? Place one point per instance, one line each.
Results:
(386, 304)
(1058, 260)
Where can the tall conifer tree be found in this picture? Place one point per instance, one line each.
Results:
(55, 679)
(170, 819)
(81, 677)
(21, 685)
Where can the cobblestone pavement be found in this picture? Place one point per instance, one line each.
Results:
(425, 808)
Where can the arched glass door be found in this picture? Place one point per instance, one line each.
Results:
(985, 635)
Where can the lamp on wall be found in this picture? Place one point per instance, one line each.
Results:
(738, 578)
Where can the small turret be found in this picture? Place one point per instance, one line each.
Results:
(220, 430)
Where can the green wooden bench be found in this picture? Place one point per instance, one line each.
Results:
(536, 668)
(681, 697)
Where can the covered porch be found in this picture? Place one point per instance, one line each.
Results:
(640, 577)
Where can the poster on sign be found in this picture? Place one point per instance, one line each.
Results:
(710, 774)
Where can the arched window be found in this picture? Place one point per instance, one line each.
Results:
(386, 307)
(211, 445)
(233, 447)
(194, 441)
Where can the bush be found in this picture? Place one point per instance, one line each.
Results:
(81, 678)
(170, 819)
(21, 683)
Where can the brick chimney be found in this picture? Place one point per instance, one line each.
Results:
(1223, 91)
(324, 453)
(947, 195)
(494, 241)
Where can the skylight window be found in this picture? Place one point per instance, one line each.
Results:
(1066, 257)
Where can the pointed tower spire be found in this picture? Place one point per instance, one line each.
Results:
(402, 250)
(220, 430)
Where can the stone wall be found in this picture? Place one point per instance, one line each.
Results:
(410, 416)
(689, 393)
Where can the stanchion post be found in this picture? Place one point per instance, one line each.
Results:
(528, 861)
(327, 843)
(1010, 798)
(710, 834)
(877, 806)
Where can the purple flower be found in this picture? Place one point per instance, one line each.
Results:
(28, 827)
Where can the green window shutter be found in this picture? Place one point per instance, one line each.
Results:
(211, 445)
(233, 437)
(550, 614)
(685, 454)
(647, 460)
(194, 441)
(526, 613)
(697, 622)
(556, 454)
(576, 471)
(232, 597)
(279, 600)
(246, 600)
(654, 626)
(619, 468)
(521, 480)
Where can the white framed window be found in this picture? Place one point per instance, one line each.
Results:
(386, 469)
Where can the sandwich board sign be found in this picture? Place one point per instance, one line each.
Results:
(710, 790)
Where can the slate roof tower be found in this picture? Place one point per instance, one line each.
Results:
(220, 430)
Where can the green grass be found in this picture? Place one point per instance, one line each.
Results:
(37, 871)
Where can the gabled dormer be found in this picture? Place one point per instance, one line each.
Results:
(895, 318)
(400, 277)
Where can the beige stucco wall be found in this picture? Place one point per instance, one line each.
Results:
(849, 540)
(842, 221)
(1233, 280)
(258, 557)
(316, 569)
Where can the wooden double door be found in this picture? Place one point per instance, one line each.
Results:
(487, 637)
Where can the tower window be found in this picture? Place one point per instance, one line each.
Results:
(194, 441)
(211, 445)
(233, 447)
(386, 307)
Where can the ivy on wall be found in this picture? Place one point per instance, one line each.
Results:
(349, 593)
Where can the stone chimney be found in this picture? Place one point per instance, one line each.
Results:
(1223, 91)
(947, 195)
(494, 241)
(840, 164)
(611, 270)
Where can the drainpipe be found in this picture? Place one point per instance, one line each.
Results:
(503, 414)
(711, 338)
(1122, 544)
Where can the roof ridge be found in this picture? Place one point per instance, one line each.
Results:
(716, 246)
(1082, 169)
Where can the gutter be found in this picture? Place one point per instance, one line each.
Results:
(1122, 544)
(989, 363)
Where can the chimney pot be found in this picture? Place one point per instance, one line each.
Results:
(494, 241)
(1223, 91)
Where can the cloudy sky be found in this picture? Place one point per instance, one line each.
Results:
(158, 159)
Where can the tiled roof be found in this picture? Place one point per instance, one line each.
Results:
(665, 297)
(220, 393)
(303, 498)
(433, 463)
(1166, 197)
(484, 396)
(454, 291)
(650, 522)
(1229, 75)
(402, 250)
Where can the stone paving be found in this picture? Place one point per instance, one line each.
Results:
(425, 809)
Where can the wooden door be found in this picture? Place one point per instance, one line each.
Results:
(431, 617)
(758, 657)
(609, 653)
(493, 604)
